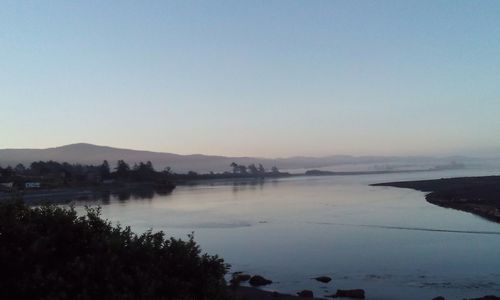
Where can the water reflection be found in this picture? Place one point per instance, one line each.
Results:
(239, 186)
(106, 197)
(388, 241)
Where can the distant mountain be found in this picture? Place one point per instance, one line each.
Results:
(93, 154)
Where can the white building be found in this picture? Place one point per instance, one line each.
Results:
(32, 185)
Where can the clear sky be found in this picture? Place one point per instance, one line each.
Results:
(260, 78)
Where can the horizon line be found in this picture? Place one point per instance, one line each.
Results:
(258, 157)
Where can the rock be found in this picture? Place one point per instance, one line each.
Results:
(324, 279)
(438, 298)
(355, 294)
(244, 277)
(489, 297)
(306, 294)
(259, 280)
(238, 277)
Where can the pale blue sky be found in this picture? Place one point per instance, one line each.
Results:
(260, 78)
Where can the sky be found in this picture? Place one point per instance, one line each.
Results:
(252, 78)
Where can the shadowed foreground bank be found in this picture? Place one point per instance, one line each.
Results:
(477, 195)
(52, 253)
(49, 252)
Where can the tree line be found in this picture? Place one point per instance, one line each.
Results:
(65, 173)
(55, 174)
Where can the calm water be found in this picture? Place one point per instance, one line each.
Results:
(381, 239)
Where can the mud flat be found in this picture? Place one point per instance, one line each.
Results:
(477, 195)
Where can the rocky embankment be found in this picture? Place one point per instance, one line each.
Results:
(239, 292)
(252, 292)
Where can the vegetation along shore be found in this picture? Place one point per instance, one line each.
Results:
(60, 182)
(54, 181)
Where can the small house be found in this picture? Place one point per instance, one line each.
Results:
(32, 185)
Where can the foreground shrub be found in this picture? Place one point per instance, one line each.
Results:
(52, 253)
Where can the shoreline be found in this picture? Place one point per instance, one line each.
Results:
(68, 194)
(254, 293)
(476, 195)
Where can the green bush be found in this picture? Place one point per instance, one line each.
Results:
(50, 252)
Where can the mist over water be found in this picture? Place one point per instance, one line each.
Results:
(388, 241)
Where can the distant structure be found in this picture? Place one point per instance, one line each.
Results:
(32, 185)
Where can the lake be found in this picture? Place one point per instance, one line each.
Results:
(388, 241)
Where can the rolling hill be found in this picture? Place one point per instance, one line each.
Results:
(92, 154)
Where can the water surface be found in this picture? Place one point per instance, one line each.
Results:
(388, 241)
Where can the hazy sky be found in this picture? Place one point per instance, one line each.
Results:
(260, 78)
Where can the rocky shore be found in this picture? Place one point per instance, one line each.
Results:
(252, 293)
(477, 195)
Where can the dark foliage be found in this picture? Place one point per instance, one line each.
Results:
(52, 253)
(52, 174)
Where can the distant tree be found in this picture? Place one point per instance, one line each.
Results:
(192, 174)
(68, 169)
(235, 167)
(122, 169)
(144, 171)
(20, 169)
(253, 169)
(39, 168)
(261, 169)
(167, 171)
(242, 169)
(275, 170)
(7, 172)
(105, 170)
(149, 166)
